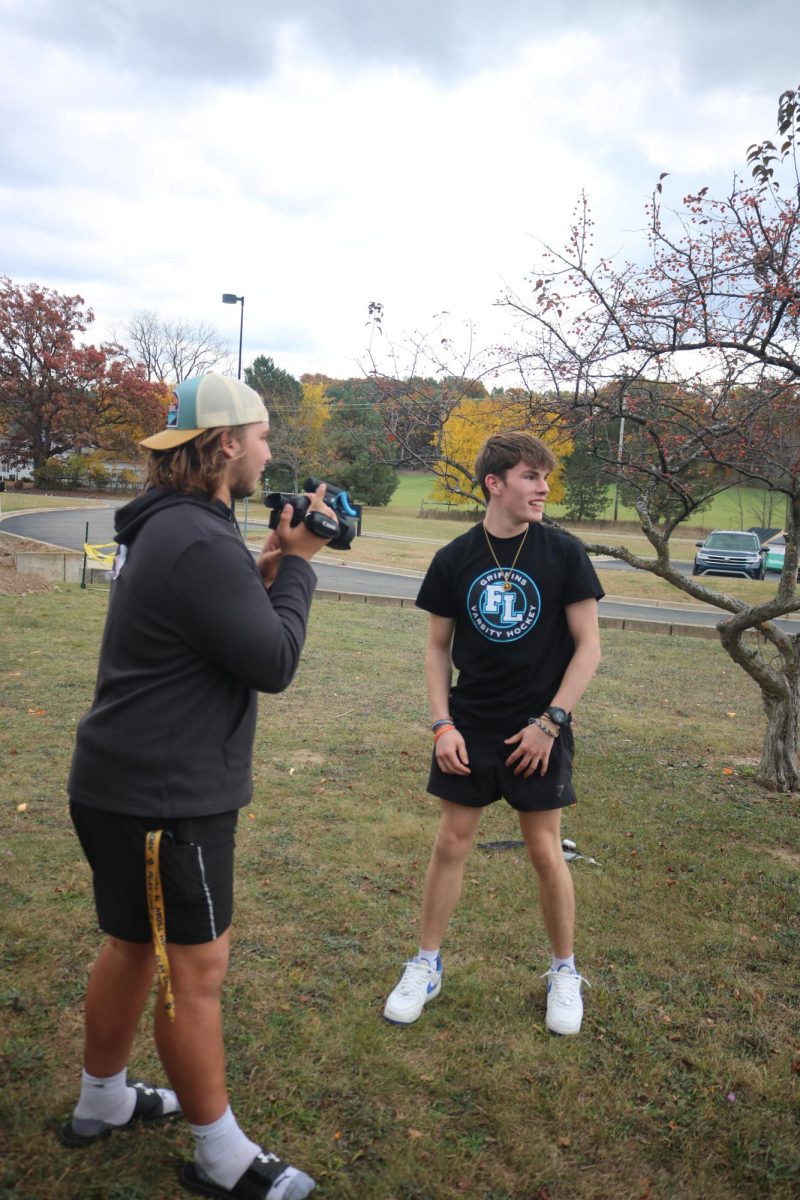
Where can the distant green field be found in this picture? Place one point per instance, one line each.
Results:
(414, 487)
(738, 508)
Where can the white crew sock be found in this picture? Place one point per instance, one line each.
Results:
(558, 963)
(430, 956)
(106, 1099)
(222, 1151)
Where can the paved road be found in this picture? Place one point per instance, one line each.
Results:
(67, 528)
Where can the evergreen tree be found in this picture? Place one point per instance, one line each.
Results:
(357, 453)
(585, 488)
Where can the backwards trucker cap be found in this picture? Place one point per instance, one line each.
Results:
(207, 402)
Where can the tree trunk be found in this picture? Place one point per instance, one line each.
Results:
(778, 768)
(779, 681)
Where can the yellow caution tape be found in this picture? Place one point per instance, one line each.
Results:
(105, 553)
(155, 907)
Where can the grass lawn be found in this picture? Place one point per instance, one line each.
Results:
(684, 1082)
(21, 501)
(642, 585)
(413, 488)
(738, 508)
(397, 538)
(407, 544)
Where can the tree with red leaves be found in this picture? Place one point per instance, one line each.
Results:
(57, 394)
(684, 375)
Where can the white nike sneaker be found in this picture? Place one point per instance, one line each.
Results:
(420, 983)
(564, 1003)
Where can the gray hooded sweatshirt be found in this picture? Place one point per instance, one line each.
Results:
(192, 635)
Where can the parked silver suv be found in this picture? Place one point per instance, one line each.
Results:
(729, 552)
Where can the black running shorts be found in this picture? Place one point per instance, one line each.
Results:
(195, 866)
(490, 778)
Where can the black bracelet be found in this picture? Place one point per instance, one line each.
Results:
(444, 721)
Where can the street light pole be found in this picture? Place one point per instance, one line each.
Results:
(230, 298)
(619, 459)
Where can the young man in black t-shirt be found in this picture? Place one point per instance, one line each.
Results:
(513, 607)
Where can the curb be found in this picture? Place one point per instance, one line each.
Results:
(46, 563)
(628, 624)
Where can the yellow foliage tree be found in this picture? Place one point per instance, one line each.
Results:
(297, 421)
(315, 411)
(468, 426)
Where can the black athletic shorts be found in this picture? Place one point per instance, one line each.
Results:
(195, 865)
(490, 778)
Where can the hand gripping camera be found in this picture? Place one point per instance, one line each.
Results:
(339, 532)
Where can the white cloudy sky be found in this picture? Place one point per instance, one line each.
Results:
(314, 155)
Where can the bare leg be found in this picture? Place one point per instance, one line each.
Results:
(191, 1046)
(117, 992)
(542, 834)
(457, 828)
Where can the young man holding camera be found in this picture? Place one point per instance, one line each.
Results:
(513, 607)
(196, 628)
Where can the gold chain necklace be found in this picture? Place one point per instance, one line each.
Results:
(505, 572)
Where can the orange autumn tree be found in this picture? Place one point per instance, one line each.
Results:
(58, 394)
(470, 423)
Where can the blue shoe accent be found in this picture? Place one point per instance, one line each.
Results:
(420, 983)
(435, 984)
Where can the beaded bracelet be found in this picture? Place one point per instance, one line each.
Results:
(553, 733)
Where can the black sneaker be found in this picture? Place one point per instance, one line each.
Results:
(267, 1178)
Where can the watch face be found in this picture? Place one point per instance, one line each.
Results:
(557, 715)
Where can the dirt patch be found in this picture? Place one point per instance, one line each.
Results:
(20, 583)
(784, 855)
(10, 544)
(307, 758)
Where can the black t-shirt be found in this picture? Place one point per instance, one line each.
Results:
(510, 647)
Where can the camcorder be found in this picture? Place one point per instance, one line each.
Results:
(339, 532)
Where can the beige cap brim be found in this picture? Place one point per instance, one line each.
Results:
(169, 438)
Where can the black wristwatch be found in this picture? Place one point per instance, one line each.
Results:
(558, 716)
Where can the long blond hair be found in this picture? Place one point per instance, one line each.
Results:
(199, 463)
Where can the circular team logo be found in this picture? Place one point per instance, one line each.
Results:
(501, 613)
